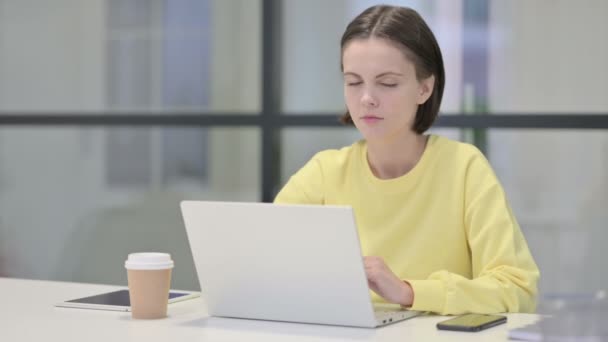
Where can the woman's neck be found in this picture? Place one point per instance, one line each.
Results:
(394, 158)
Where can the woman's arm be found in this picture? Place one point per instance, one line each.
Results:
(304, 187)
(505, 275)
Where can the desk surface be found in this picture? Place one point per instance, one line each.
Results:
(27, 314)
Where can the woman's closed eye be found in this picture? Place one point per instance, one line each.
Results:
(384, 84)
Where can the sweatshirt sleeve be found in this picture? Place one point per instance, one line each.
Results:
(305, 186)
(504, 274)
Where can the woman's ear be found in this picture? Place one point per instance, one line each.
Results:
(425, 89)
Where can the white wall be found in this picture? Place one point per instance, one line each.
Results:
(58, 217)
(310, 52)
(53, 43)
(236, 86)
(550, 56)
(48, 63)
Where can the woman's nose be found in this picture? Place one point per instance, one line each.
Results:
(368, 99)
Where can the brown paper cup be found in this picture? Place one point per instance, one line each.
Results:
(149, 276)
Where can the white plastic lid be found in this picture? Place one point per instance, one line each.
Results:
(148, 261)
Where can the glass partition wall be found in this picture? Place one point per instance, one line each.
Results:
(112, 111)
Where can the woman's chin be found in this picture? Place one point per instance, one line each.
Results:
(372, 132)
(373, 135)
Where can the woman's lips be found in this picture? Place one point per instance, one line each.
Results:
(371, 119)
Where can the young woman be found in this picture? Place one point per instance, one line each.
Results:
(434, 221)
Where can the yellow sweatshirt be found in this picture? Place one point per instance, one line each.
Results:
(446, 226)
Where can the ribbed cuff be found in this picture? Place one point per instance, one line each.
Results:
(429, 295)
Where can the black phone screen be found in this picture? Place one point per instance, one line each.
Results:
(118, 298)
(472, 322)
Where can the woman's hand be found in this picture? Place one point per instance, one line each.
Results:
(385, 283)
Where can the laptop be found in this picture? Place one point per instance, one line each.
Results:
(293, 263)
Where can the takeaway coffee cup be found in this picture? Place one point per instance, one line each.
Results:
(149, 276)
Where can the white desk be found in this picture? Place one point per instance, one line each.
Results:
(27, 314)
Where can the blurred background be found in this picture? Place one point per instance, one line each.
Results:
(113, 111)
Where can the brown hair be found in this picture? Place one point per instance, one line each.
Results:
(406, 28)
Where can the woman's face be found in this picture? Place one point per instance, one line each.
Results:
(381, 90)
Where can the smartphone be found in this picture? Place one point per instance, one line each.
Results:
(471, 322)
(118, 300)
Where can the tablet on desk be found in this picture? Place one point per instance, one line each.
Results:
(118, 300)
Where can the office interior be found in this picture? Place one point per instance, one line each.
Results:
(113, 111)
